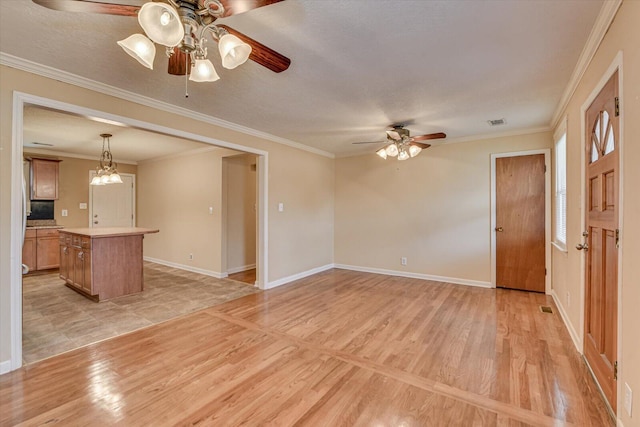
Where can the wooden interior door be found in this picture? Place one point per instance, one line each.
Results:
(520, 222)
(601, 237)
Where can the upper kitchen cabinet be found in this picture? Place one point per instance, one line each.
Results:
(44, 179)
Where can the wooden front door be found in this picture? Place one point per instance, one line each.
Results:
(520, 222)
(601, 237)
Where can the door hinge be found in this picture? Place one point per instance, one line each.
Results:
(545, 271)
(617, 106)
(617, 238)
(615, 370)
(545, 168)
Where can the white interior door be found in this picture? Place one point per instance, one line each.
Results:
(113, 205)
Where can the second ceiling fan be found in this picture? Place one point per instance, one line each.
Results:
(181, 26)
(402, 144)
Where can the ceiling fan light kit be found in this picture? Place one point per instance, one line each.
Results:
(180, 26)
(402, 145)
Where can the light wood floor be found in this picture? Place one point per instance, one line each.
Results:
(247, 276)
(56, 319)
(336, 349)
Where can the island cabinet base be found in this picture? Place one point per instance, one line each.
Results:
(102, 266)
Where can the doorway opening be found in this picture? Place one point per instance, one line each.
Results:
(24, 102)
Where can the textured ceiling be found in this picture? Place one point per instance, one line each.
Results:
(357, 65)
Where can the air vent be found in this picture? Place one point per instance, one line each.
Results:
(497, 122)
(545, 309)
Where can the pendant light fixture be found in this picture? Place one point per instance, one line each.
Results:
(106, 172)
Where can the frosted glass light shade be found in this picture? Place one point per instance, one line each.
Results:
(140, 48)
(403, 155)
(382, 153)
(233, 51)
(414, 150)
(96, 180)
(114, 178)
(392, 150)
(161, 23)
(203, 71)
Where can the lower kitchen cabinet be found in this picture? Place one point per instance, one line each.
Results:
(40, 250)
(75, 262)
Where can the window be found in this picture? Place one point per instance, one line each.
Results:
(560, 217)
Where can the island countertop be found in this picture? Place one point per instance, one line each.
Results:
(109, 231)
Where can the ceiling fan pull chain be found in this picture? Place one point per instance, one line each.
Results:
(186, 80)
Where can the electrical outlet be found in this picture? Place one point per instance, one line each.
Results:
(83, 206)
(628, 398)
(191, 257)
(568, 300)
(210, 210)
(403, 260)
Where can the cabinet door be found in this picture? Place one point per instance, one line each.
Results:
(44, 179)
(64, 262)
(48, 253)
(77, 267)
(29, 253)
(86, 271)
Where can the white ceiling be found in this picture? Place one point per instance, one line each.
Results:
(357, 65)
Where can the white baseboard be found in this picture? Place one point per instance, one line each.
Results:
(298, 276)
(577, 342)
(211, 273)
(444, 279)
(241, 268)
(5, 366)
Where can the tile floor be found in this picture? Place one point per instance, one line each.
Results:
(57, 319)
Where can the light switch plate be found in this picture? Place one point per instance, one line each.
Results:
(65, 212)
(83, 206)
(628, 398)
(280, 207)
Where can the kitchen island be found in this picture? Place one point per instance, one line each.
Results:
(102, 263)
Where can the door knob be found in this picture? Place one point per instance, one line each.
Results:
(95, 222)
(499, 229)
(582, 246)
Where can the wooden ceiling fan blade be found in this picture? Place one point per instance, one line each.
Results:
(369, 142)
(262, 54)
(89, 7)
(235, 7)
(438, 135)
(178, 63)
(421, 145)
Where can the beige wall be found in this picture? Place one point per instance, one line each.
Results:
(239, 188)
(73, 188)
(623, 35)
(303, 180)
(174, 196)
(433, 209)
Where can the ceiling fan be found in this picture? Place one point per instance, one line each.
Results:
(180, 26)
(402, 144)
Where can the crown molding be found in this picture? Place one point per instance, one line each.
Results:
(600, 27)
(54, 153)
(83, 82)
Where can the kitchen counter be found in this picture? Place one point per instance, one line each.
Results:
(103, 263)
(110, 231)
